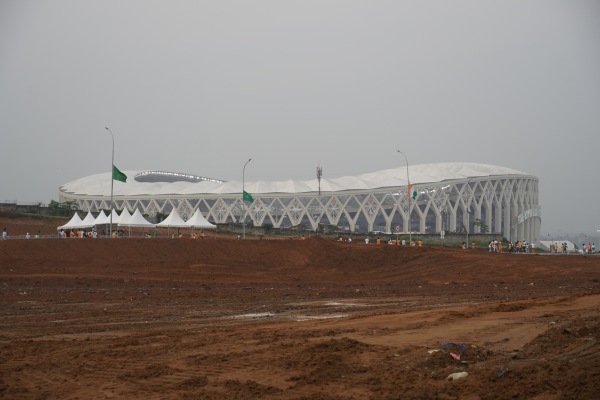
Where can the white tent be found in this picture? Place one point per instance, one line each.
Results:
(123, 217)
(198, 221)
(136, 220)
(173, 221)
(74, 222)
(88, 221)
(115, 217)
(101, 219)
(104, 220)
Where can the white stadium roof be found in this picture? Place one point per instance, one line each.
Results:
(99, 184)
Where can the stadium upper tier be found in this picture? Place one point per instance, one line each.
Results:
(158, 183)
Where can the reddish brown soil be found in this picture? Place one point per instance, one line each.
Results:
(218, 318)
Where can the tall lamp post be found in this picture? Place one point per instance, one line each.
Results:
(243, 205)
(112, 181)
(409, 196)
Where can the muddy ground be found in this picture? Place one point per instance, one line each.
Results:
(218, 318)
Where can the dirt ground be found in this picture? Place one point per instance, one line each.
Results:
(218, 318)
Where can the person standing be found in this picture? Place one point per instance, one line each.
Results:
(4, 234)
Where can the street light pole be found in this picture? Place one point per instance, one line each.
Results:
(112, 181)
(409, 195)
(243, 205)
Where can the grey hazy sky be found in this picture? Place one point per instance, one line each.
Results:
(199, 87)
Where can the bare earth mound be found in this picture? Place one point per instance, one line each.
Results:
(293, 319)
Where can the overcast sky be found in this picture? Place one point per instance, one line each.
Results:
(200, 87)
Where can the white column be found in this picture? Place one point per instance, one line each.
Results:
(438, 222)
(497, 217)
(422, 222)
(451, 219)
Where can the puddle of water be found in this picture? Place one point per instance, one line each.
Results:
(301, 318)
(254, 315)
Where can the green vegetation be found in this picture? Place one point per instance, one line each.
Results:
(64, 209)
(482, 226)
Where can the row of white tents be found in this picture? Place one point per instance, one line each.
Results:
(137, 220)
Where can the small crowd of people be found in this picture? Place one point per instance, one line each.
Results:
(497, 246)
(589, 249)
(89, 233)
(556, 247)
(389, 241)
(520, 246)
(559, 248)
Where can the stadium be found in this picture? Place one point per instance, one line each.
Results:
(445, 197)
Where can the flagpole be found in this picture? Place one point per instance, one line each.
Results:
(409, 196)
(243, 206)
(112, 181)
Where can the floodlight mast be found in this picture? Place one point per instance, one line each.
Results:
(319, 175)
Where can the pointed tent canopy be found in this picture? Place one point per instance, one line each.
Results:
(173, 221)
(115, 217)
(75, 222)
(88, 221)
(198, 221)
(137, 220)
(101, 219)
(124, 217)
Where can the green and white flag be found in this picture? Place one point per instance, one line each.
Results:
(411, 191)
(248, 197)
(118, 175)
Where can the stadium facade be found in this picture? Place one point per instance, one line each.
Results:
(444, 196)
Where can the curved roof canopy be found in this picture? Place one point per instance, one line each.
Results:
(99, 184)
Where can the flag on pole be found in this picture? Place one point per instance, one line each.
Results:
(118, 175)
(411, 192)
(248, 197)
